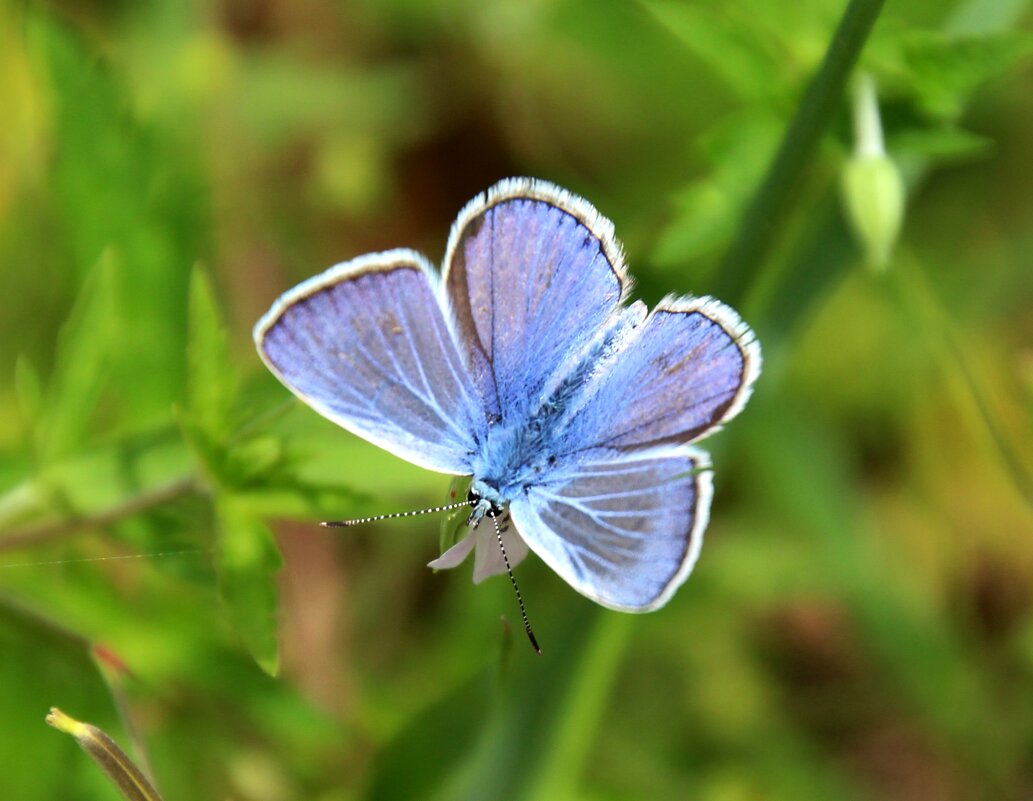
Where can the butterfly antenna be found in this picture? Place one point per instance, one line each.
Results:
(359, 520)
(512, 580)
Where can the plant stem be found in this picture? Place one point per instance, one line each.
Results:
(37, 533)
(822, 260)
(762, 218)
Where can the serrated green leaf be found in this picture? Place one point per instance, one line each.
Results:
(83, 362)
(248, 560)
(947, 68)
(211, 377)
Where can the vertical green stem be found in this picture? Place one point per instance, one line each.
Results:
(760, 222)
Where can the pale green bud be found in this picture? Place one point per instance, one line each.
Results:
(873, 189)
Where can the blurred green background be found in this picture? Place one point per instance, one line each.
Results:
(860, 623)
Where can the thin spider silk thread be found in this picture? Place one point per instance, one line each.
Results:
(328, 523)
(102, 558)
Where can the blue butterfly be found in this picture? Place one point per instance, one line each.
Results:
(523, 366)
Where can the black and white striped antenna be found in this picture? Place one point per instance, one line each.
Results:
(391, 515)
(512, 580)
(448, 507)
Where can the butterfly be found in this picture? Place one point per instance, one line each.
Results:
(523, 365)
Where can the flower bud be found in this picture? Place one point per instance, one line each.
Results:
(873, 190)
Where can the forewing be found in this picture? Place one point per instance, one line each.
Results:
(687, 369)
(367, 345)
(624, 532)
(532, 274)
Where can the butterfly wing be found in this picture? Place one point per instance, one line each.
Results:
(367, 345)
(532, 273)
(624, 532)
(679, 375)
(621, 517)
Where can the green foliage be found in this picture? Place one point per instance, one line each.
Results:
(115, 189)
(859, 625)
(945, 70)
(707, 210)
(248, 561)
(82, 364)
(453, 523)
(247, 558)
(211, 377)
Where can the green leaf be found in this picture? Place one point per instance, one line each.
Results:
(708, 210)
(44, 662)
(120, 184)
(282, 496)
(211, 377)
(947, 68)
(253, 460)
(90, 484)
(83, 362)
(453, 524)
(248, 560)
(210, 455)
(943, 144)
(744, 61)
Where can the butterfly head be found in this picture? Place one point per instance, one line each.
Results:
(484, 499)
